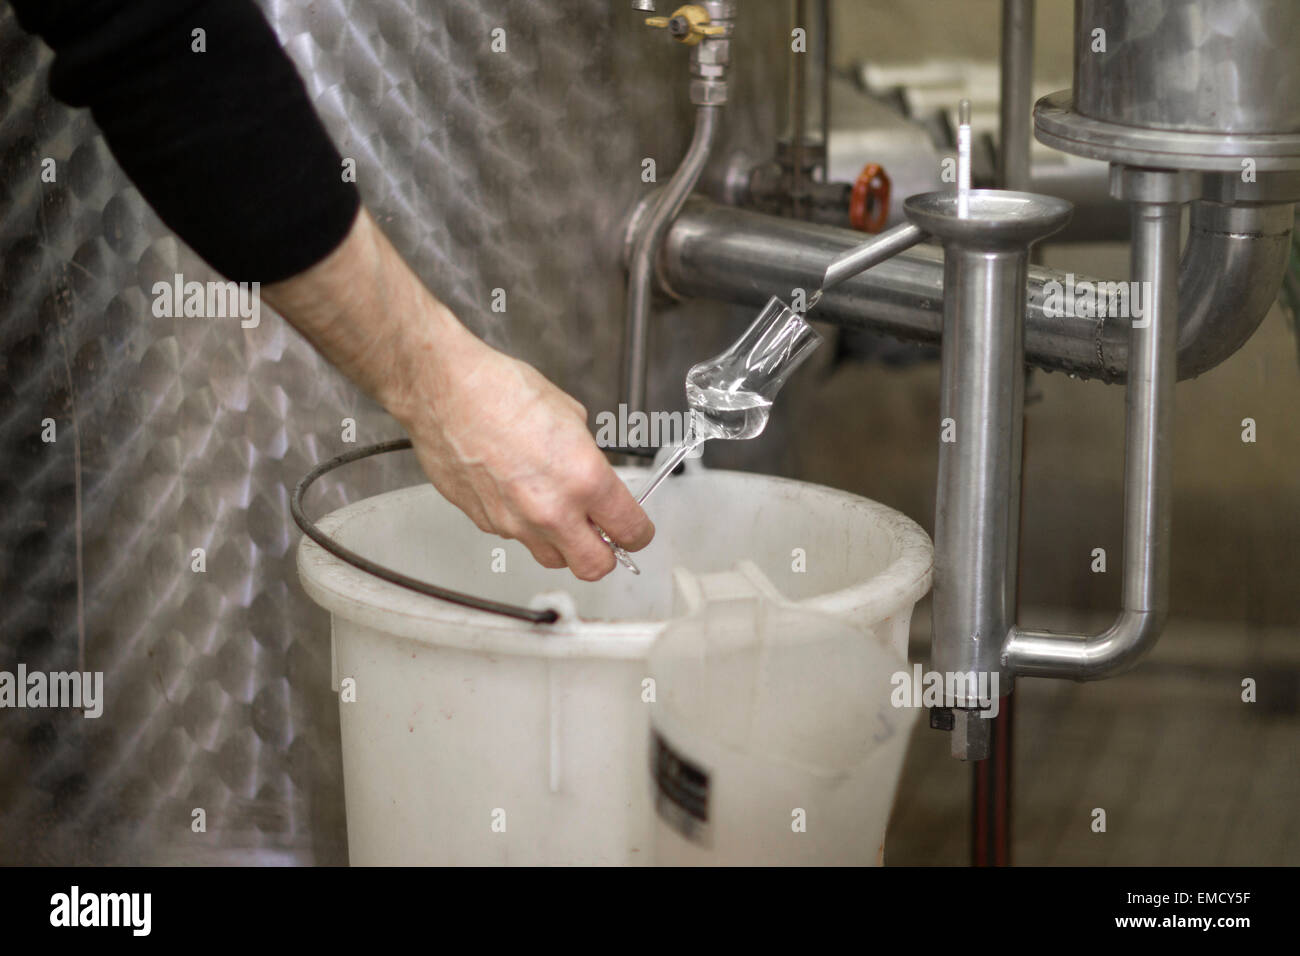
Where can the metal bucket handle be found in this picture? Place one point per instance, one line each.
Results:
(532, 615)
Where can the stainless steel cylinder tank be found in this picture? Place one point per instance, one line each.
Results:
(1226, 66)
(1181, 84)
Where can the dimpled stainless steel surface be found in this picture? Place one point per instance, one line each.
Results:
(489, 170)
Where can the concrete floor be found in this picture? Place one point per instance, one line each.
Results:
(1187, 773)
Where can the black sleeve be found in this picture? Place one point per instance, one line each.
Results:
(224, 144)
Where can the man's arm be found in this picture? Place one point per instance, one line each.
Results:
(497, 439)
(225, 146)
(217, 133)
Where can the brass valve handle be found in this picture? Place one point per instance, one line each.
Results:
(689, 24)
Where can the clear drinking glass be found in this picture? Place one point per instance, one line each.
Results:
(730, 395)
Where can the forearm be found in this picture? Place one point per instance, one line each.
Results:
(497, 439)
(369, 314)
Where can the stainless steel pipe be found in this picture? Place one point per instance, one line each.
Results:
(1228, 278)
(1147, 467)
(986, 259)
(871, 253)
(980, 406)
(641, 268)
(1016, 106)
(708, 89)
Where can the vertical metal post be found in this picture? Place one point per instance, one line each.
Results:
(1149, 401)
(1016, 104)
(824, 62)
(991, 802)
(798, 112)
(991, 792)
(977, 519)
(979, 455)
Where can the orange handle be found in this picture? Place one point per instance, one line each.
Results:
(869, 200)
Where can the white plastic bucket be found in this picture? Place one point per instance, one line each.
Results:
(773, 739)
(472, 738)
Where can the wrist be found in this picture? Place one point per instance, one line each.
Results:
(371, 316)
(424, 360)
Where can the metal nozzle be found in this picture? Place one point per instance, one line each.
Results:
(874, 251)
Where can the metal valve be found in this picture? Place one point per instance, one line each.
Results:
(689, 24)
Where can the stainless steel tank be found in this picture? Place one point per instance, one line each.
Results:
(489, 170)
(1181, 84)
(1210, 66)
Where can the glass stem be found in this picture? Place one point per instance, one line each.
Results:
(672, 461)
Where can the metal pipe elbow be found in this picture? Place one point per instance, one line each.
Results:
(1229, 275)
(1028, 653)
(1232, 270)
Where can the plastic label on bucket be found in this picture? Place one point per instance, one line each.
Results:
(681, 792)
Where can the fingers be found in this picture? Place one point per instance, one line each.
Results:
(559, 538)
(615, 510)
(588, 557)
(544, 554)
(574, 545)
(552, 523)
(601, 498)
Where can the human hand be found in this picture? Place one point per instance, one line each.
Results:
(493, 435)
(513, 452)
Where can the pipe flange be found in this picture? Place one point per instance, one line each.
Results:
(1153, 185)
(1057, 124)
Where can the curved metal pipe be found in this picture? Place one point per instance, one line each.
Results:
(1148, 467)
(644, 253)
(1236, 258)
(1046, 654)
(1229, 276)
